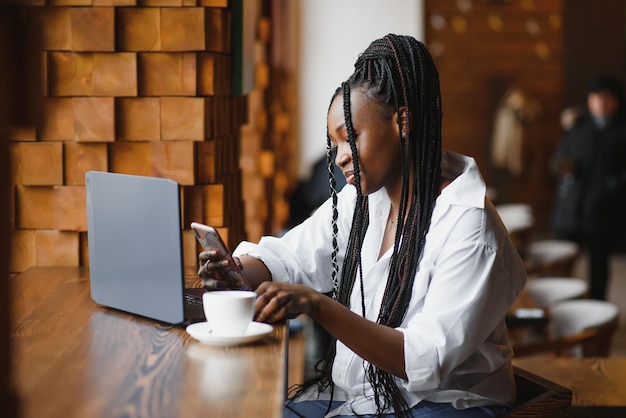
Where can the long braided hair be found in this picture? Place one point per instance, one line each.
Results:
(399, 74)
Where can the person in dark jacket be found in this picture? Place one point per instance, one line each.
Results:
(590, 164)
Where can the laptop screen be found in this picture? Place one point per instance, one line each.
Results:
(134, 240)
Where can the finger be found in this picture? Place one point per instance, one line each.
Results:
(271, 308)
(204, 256)
(215, 266)
(277, 316)
(259, 304)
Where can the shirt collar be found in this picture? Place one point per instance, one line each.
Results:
(467, 186)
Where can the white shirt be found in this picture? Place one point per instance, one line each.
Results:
(456, 344)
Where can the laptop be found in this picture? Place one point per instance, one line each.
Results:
(135, 247)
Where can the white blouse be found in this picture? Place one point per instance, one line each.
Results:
(456, 344)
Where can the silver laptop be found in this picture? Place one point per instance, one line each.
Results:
(135, 247)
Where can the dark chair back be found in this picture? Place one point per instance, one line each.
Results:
(538, 397)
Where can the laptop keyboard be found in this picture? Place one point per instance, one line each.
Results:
(193, 303)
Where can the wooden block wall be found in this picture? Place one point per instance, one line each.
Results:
(268, 147)
(130, 86)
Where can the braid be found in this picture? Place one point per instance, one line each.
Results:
(335, 229)
(360, 220)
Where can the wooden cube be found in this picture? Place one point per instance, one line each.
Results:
(217, 27)
(70, 212)
(214, 204)
(93, 28)
(226, 76)
(182, 29)
(70, 74)
(173, 160)
(138, 119)
(139, 29)
(23, 250)
(58, 119)
(94, 119)
(206, 74)
(55, 26)
(192, 204)
(82, 157)
(35, 207)
(130, 158)
(182, 118)
(214, 74)
(206, 162)
(56, 248)
(40, 163)
(167, 74)
(83, 242)
(191, 248)
(115, 74)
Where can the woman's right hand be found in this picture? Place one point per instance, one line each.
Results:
(217, 273)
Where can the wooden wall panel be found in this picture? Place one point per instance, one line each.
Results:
(483, 49)
(130, 86)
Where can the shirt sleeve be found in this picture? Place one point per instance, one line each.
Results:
(303, 254)
(471, 284)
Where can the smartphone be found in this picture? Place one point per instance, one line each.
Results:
(210, 239)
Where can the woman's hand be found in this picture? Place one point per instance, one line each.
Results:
(217, 273)
(278, 301)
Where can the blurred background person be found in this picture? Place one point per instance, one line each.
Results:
(590, 165)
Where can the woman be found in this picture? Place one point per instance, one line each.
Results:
(419, 268)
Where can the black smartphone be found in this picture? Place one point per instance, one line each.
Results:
(210, 239)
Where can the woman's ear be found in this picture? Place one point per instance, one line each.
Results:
(403, 114)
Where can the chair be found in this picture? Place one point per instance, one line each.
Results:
(518, 220)
(576, 328)
(546, 291)
(551, 257)
(539, 397)
(515, 216)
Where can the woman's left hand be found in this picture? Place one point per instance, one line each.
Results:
(277, 301)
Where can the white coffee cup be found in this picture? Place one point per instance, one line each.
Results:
(229, 312)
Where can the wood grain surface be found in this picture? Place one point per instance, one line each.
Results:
(74, 358)
(593, 381)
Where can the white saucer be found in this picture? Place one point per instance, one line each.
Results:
(201, 332)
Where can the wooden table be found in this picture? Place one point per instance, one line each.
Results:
(74, 358)
(598, 384)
